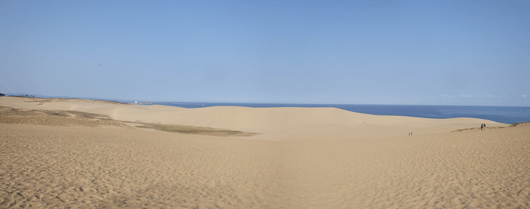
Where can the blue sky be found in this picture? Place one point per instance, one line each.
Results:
(324, 52)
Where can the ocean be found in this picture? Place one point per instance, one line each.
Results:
(494, 113)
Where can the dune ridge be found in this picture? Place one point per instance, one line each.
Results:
(301, 158)
(278, 123)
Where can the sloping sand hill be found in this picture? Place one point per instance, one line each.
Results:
(289, 123)
(298, 158)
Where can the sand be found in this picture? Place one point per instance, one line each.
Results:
(90, 154)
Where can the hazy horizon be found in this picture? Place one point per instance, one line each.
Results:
(471, 53)
(214, 102)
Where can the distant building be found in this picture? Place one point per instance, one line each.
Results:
(1, 95)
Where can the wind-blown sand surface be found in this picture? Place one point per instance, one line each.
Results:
(90, 154)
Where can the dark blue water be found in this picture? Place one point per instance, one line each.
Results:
(498, 114)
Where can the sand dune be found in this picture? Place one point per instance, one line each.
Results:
(302, 158)
(273, 123)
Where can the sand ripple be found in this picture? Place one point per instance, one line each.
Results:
(116, 167)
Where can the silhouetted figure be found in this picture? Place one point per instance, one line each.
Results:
(482, 126)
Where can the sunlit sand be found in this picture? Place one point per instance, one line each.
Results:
(93, 154)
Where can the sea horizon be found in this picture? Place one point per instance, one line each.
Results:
(501, 114)
(147, 102)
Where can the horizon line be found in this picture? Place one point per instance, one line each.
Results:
(283, 103)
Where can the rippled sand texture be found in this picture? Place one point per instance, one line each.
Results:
(335, 161)
(475, 169)
(104, 167)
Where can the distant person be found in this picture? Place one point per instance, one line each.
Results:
(482, 126)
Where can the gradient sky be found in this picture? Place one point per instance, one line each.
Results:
(338, 52)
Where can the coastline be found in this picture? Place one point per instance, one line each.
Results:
(279, 121)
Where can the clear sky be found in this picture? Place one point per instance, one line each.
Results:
(323, 52)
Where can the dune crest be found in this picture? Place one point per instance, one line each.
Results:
(279, 123)
(54, 154)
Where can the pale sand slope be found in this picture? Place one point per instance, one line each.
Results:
(272, 123)
(311, 165)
